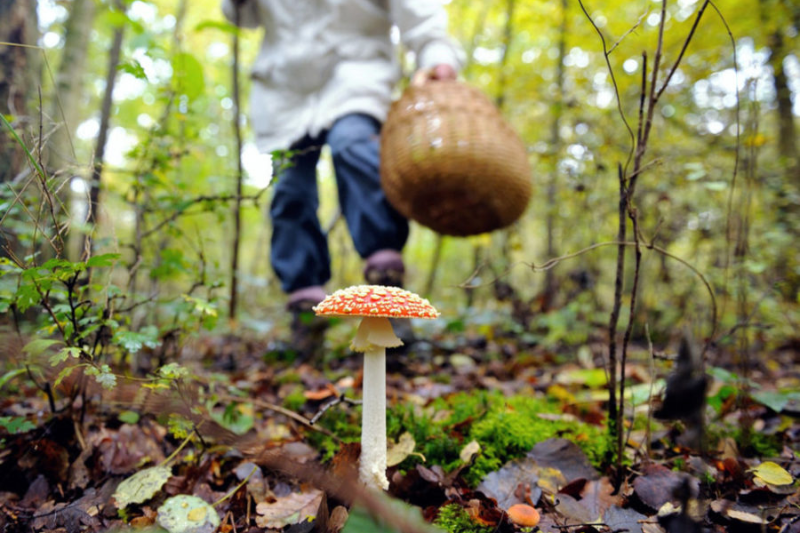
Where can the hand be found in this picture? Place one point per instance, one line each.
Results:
(443, 71)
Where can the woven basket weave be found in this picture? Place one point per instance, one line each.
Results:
(450, 162)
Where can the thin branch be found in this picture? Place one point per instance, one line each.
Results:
(630, 30)
(685, 46)
(336, 401)
(278, 409)
(647, 246)
(614, 82)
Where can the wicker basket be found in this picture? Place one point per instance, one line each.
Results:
(450, 162)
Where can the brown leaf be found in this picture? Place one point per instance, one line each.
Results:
(345, 463)
(565, 456)
(658, 484)
(598, 496)
(291, 509)
(619, 519)
(37, 493)
(503, 484)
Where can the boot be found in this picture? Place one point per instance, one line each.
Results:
(385, 267)
(307, 329)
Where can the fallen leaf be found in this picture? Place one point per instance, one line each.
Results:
(503, 484)
(772, 474)
(619, 519)
(322, 394)
(744, 516)
(469, 451)
(398, 451)
(566, 457)
(657, 484)
(141, 486)
(291, 509)
(187, 514)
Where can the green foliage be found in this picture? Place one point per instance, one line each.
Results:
(454, 519)
(758, 444)
(16, 424)
(505, 428)
(295, 400)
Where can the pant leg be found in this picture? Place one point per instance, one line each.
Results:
(299, 249)
(373, 223)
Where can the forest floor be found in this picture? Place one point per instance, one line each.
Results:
(479, 421)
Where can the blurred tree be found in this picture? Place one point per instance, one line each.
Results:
(19, 73)
(66, 105)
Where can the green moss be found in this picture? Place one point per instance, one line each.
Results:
(344, 422)
(505, 428)
(295, 400)
(511, 431)
(759, 444)
(454, 519)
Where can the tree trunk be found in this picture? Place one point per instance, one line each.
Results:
(19, 75)
(102, 135)
(550, 283)
(66, 105)
(787, 134)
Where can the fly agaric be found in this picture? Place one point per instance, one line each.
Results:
(376, 304)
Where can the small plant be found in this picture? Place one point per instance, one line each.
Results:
(454, 519)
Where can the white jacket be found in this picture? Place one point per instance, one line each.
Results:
(322, 59)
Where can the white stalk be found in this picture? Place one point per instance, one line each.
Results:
(372, 471)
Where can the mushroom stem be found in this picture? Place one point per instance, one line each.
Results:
(372, 471)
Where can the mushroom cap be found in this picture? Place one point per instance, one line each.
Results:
(376, 301)
(523, 515)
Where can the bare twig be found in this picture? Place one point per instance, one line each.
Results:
(613, 81)
(336, 401)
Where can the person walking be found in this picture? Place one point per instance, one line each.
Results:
(325, 74)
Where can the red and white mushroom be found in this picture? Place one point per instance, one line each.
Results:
(376, 304)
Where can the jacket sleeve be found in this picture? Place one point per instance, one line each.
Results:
(423, 29)
(248, 12)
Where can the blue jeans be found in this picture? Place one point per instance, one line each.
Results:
(299, 252)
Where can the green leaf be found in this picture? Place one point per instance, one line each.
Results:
(134, 68)
(16, 424)
(103, 375)
(775, 400)
(39, 346)
(129, 417)
(64, 374)
(141, 486)
(187, 514)
(64, 354)
(236, 417)
(187, 75)
(173, 371)
(11, 374)
(105, 260)
(217, 25)
(360, 521)
(134, 341)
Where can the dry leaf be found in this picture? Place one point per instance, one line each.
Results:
(773, 474)
(398, 451)
(469, 451)
(290, 509)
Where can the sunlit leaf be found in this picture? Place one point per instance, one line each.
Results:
(398, 451)
(187, 75)
(187, 514)
(141, 486)
(773, 473)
